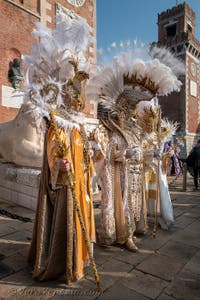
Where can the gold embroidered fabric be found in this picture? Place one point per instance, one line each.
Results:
(58, 245)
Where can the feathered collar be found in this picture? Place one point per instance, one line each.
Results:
(68, 119)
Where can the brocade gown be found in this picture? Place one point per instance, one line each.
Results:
(58, 245)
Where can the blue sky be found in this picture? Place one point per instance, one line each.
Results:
(123, 20)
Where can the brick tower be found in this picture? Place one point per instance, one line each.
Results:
(176, 31)
(17, 18)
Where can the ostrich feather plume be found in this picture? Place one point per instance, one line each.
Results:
(146, 77)
(53, 58)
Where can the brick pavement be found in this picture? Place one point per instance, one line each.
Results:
(167, 267)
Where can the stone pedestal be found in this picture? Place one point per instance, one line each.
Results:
(19, 184)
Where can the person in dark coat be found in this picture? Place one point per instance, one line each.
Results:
(193, 163)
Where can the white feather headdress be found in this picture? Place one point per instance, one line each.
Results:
(49, 66)
(169, 129)
(140, 78)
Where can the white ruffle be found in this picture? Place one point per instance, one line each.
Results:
(66, 124)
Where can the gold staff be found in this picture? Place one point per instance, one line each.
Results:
(155, 228)
(68, 177)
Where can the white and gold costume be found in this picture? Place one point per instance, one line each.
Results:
(120, 86)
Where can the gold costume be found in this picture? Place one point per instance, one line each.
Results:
(64, 227)
(58, 244)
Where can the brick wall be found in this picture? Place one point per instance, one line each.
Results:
(183, 107)
(7, 113)
(17, 18)
(173, 107)
(32, 5)
(87, 11)
(15, 29)
(193, 106)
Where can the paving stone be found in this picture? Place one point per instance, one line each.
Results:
(188, 237)
(110, 272)
(120, 291)
(9, 247)
(193, 264)
(178, 250)
(183, 221)
(10, 222)
(5, 270)
(6, 229)
(19, 278)
(195, 226)
(22, 211)
(178, 211)
(116, 266)
(173, 255)
(103, 254)
(194, 212)
(20, 236)
(161, 266)
(184, 199)
(151, 243)
(16, 262)
(133, 258)
(5, 204)
(182, 206)
(3, 220)
(186, 286)
(165, 297)
(21, 226)
(144, 284)
(11, 286)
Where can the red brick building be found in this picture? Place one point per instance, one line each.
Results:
(176, 30)
(17, 18)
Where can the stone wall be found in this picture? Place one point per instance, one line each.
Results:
(19, 185)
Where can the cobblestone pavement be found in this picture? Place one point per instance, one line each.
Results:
(167, 267)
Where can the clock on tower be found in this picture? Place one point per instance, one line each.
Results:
(193, 69)
(76, 3)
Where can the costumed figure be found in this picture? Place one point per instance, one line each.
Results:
(171, 150)
(64, 229)
(166, 219)
(177, 166)
(135, 170)
(120, 86)
(155, 133)
(147, 119)
(101, 136)
(167, 161)
(97, 147)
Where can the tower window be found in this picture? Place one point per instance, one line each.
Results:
(189, 28)
(171, 30)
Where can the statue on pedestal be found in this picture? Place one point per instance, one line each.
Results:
(15, 76)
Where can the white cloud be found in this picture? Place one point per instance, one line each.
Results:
(113, 45)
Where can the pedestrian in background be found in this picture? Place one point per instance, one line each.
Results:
(193, 163)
